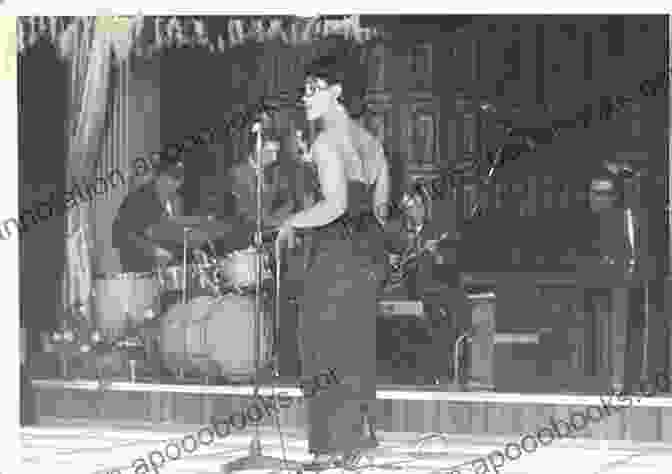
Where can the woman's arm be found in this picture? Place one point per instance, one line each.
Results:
(334, 186)
(381, 195)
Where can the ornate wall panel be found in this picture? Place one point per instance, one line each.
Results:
(377, 57)
(378, 119)
(423, 132)
(420, 65)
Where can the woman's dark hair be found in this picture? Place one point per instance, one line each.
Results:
(328, 68)
(344, 68)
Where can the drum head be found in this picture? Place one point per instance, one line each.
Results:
(185, 313)
(211, 331)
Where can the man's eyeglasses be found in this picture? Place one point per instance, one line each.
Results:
(311, 88)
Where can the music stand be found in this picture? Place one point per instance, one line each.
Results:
(255, 459)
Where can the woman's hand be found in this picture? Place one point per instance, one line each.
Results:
(286, 234)
(162, 255)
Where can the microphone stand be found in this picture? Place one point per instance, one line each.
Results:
(628, 177)
(255, 460)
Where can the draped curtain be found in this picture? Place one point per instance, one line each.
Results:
(114, 155)
(90, 72)
(42, 149)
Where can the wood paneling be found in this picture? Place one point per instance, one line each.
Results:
(637, 423)
(378, 60)
(563, 65)
(423, 133)
(421, 66)
(378, 120)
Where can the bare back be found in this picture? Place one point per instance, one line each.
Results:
(361, 152)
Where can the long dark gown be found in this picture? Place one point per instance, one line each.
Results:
(337, 322)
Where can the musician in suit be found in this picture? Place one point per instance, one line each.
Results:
(280, 195)
(607, 203)
(142, 208)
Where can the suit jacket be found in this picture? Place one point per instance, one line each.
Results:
(141, 209)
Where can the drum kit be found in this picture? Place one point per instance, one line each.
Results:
(202, 315)
(215, 314)
(214, 327)
(209, 315)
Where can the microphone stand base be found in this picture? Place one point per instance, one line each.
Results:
(257, 461)
(261, 463)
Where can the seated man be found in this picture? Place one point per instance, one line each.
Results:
(142, 208)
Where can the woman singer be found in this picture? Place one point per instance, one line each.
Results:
(345, 270)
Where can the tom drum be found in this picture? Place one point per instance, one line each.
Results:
(239, 268)
(123, 298)
(202, 279)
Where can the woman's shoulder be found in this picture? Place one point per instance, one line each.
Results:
(327, 139)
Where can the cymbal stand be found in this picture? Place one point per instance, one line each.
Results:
(185, 239)
(634, 184)
(258, 245)
(255, 460)
(476, 207)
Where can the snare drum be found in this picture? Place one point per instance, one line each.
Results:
(118, 296)
(239, 268)
(212, 332)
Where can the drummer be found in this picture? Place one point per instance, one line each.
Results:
(142, 208)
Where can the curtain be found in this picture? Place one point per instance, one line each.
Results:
(42, 149)
(114, 156)
(90, 76)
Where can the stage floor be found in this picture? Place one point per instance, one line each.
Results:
(86, 447)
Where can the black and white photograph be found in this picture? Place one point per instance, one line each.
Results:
(429, 243)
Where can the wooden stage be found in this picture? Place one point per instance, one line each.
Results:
(106, 447)
(442, 409)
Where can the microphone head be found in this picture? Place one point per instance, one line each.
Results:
(487, 107)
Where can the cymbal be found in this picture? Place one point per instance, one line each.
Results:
(201, 229)
(190, 221)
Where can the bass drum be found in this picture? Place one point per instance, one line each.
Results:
(212, 336)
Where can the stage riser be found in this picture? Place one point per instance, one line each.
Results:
(635, 424)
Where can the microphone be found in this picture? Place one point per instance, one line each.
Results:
(487, 107)
(622, 170)
(262, 113)
(265, 108)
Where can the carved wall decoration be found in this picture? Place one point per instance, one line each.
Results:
(423, 133)
(420, 63)
(376, 60)
(378, 121)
